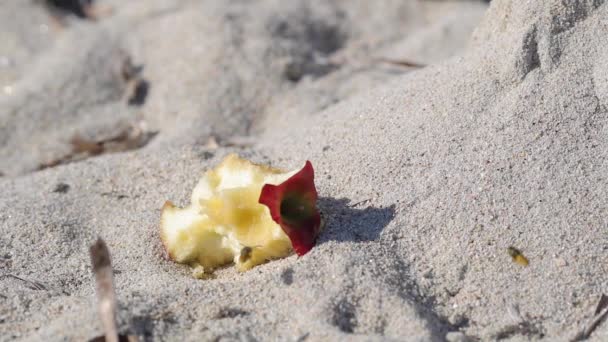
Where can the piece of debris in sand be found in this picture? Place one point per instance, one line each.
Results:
(401, 62)
(243, 213)
(517, 256)
(104, 278)
(132, 137)
(600, 314)
(34, 285)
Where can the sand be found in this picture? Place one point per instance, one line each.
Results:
(426, 175)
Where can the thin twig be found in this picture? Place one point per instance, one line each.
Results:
(102, 267)
(360, 202)
(600, 314)
(35, 285)
(401, 62)
(601, 304)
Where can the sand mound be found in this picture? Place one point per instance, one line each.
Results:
(427, 176)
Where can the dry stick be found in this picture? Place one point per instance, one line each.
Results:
(592, 325)
(600, 314)
(602, 304)
(102, 267)
(401, 62)
(36, 285)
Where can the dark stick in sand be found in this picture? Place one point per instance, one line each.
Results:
(102, 267)
(34, 285)
(601, 312)
(401, 62)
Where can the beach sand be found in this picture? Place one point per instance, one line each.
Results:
(426, 175)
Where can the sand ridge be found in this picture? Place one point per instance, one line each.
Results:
(427, 177)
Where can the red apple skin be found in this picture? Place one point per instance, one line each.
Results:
(304, 230)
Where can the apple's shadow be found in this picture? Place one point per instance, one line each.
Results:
(357, 222)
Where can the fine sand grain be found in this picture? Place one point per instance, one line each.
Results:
(426, 175)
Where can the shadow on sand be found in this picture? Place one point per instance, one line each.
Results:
(351, 222)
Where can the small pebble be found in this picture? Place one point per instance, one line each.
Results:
(560, 262)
